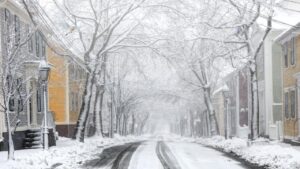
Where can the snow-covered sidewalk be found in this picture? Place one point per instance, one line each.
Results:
(272, 155)
(67, 154)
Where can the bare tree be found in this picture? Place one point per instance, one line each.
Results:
(245, 43)
(232, 27)
(14, 55)
(104, 28)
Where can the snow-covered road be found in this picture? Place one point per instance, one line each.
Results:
(187, 155)
(145, 157)
(195, 156)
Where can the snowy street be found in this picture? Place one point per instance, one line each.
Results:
(192, 155)
(150, 84)
(162, 155)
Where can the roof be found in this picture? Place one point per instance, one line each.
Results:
(221, 89)
(288, 34)
(17, 9)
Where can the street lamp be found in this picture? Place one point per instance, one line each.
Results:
(44, 70)
(226, 94)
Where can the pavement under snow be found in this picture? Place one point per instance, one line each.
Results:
(145, 157)
(192, 156)
(188, 153)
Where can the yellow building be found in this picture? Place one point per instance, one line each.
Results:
(290, 43)
(66, 86)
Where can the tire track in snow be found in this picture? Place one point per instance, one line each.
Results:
(123, 159)
(113, 157)
(166, 157)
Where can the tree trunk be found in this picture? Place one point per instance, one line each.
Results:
(191, 124)
(133, 124)
(254, 121)
(98, 120)
(79, 131)
(99, 100)
(111, 130)
(214, 127)
(90, 125)
(11, 148)
(118, 122)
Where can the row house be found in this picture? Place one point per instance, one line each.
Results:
(237, 107)
(269, 118)
(22, 49)
(232, 110)
(290, 54)
(66, 87)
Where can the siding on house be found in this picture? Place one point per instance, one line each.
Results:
(17, 29)
(66, 85)
(57, 87)
(219, 105)
(291, 130)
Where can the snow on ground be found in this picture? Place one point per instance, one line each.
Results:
(272, 154)
(67, 154)
(145, 157)
(195, 156)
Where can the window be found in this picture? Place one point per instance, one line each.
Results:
(76, 102)
(39, 100)
(72, 102)
(293, 51)
(30, 45)
(17, 30)
(37, 44)
(286, 104)
(11, 103)
(43, 49)
(7, 25)
(293, 103)
(6, 15)
(20, 104)
(285, 53)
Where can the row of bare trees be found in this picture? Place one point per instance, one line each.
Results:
(208, 37)
(205, 36)
(100, 32)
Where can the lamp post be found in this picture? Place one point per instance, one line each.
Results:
(44, 70)
(226, 98)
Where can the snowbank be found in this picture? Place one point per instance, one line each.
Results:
(262, 153)
(67, 154)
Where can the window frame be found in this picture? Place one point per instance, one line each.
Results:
(6, 15)
(293, 48)
(37, 44)
(293, 103)
(286, 104)
(17, 29)
(39, 100)
(285, 55)
(7, 19)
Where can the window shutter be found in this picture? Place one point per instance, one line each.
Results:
(295, 49)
